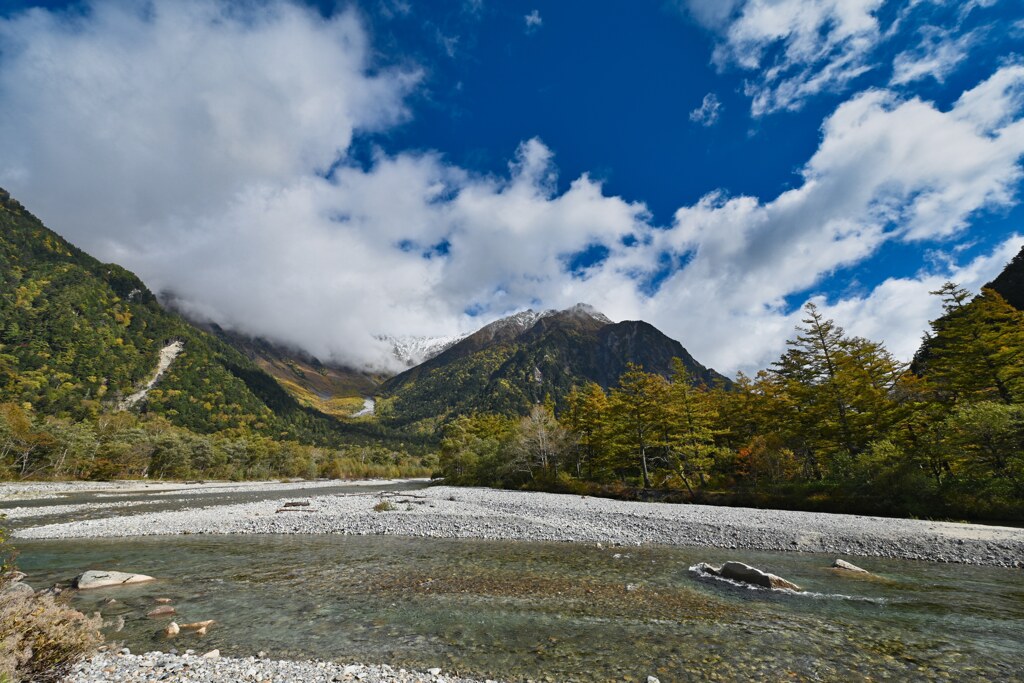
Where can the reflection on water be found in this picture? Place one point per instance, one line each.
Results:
(516, 610)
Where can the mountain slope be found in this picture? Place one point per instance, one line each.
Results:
(513, 363)
(331, 389)
(77, 336)
(1010, 282)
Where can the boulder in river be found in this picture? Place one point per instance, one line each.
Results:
(848, 567)
(172, 629)
(101, 579)
(744, 573)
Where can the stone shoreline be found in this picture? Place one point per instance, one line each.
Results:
(16, 491)
(124, 667)
(452, 512)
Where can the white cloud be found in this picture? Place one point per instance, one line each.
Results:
(938, 55)
(708, 111)
(533, 21)
(133, 114)
(886, 169)
(899, 309)
(798, 48)
(794, 50)
(188, 143)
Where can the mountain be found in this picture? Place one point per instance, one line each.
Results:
(78, 337)
(1010, 282)
(513, 363)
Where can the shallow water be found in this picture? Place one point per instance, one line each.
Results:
(519, 610)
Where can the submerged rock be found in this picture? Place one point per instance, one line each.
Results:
(197, 625)
(161, 611)
(744, 573)
(100, 579)
(848, 567)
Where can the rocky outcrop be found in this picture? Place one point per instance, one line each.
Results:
(101, 579)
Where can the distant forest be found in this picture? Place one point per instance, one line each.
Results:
(837, 423)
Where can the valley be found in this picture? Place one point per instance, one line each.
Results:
(589, 468)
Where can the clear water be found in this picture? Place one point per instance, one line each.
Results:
(545, 611)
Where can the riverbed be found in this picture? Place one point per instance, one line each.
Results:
(552, 611)
(514, 586)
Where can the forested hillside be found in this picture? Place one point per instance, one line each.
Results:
(77, 336)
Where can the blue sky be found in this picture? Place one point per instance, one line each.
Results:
(323, 173)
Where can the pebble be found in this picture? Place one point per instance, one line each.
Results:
(212, 668)
(478, 513)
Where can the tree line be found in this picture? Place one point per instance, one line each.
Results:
(836, 423)
(124, 445)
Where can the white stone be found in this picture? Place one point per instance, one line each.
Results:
(101, 579)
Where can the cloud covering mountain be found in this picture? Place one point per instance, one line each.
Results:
(226, 153)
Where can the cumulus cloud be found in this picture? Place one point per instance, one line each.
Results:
(886, 169)
(205, 146)
(707, 113)
(899, 309)
(131, 114)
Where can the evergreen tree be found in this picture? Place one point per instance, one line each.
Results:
(640, 418)
(975, 351)
(693, 419)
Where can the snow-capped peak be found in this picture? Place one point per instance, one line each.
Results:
(413, 350)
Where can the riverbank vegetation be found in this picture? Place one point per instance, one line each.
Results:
(41, 637)
(837, 423)
(124, 445)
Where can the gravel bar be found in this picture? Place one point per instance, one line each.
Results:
(11, 491)
(124, 667)
(450, 512)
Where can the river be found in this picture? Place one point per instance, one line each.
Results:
(553, 611)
